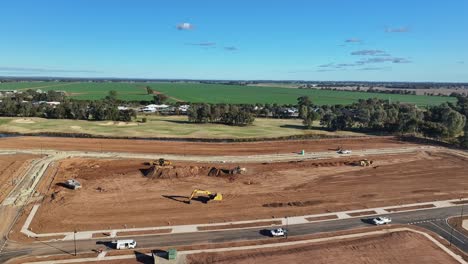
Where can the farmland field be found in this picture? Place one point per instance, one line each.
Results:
(218, 93)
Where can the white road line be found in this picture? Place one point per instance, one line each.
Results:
(454, 229)
(448, 233)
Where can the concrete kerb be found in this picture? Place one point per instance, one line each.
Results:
(102, 257)
(194, 228)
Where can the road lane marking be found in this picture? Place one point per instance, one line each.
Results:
(463, 235)
(451, 235)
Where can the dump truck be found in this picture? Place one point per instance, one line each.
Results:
(209, 195)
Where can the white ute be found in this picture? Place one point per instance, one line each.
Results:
(125, 244)
(344, 151)
(381, 220)
(280, 232)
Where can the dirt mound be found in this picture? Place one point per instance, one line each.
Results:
(295, 204)
(57, 197)
(171, 172)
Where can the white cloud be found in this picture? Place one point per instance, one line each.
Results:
(185, 26)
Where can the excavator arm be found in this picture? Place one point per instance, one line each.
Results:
(212, 196)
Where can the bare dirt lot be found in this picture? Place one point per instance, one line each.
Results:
(395, 248)
(196, 148)
(11, 168)
(117, 194)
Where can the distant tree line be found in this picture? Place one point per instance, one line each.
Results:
(33, 104)
(443, 122)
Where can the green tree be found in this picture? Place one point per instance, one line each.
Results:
(160, 98)
(310, 118)
(149, 90)
(112, 96)
(303, 103)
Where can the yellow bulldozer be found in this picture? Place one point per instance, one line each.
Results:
(208, 195)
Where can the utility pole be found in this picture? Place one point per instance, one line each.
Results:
(461, 213)
(74, 240)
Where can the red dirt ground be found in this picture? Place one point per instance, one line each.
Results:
(11, 168)
(196, 148)
(394, 248)
(115, 193)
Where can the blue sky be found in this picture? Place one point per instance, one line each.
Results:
(412, 40)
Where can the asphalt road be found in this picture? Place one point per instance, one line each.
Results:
(431, 219)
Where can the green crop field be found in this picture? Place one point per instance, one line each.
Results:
(218, 93)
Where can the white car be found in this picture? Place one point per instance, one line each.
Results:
(279, 232)
(381, 220)
(344, 151)
(125, 244)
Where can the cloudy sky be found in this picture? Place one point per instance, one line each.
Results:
(385, 40)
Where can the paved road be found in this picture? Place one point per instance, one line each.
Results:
(432, 219)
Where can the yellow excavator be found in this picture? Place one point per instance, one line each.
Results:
(209, 195)
(161, 162)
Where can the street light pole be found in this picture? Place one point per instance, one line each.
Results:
(74, 240)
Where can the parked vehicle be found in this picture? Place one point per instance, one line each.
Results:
(125, 244)
(381, 220)
(279, 232)
(344, 151)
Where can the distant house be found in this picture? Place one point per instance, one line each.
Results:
(183, 108)
(152, 108)
(8, 92)
(53, 103)
(292, 112)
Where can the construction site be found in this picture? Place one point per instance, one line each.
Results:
(103, 192)
(119, 193)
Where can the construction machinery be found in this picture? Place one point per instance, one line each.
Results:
(161, 162)
(209, 195)
(365, 163)
(362, 163)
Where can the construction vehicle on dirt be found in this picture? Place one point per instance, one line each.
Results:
(161, 162)
(362, 163)
(209, 195)
(365, 163)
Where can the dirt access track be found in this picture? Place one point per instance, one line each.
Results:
(395, 248)
(11, 169)
(196, 148)
(117, 194)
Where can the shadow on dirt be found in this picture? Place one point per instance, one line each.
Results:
(185, 199)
